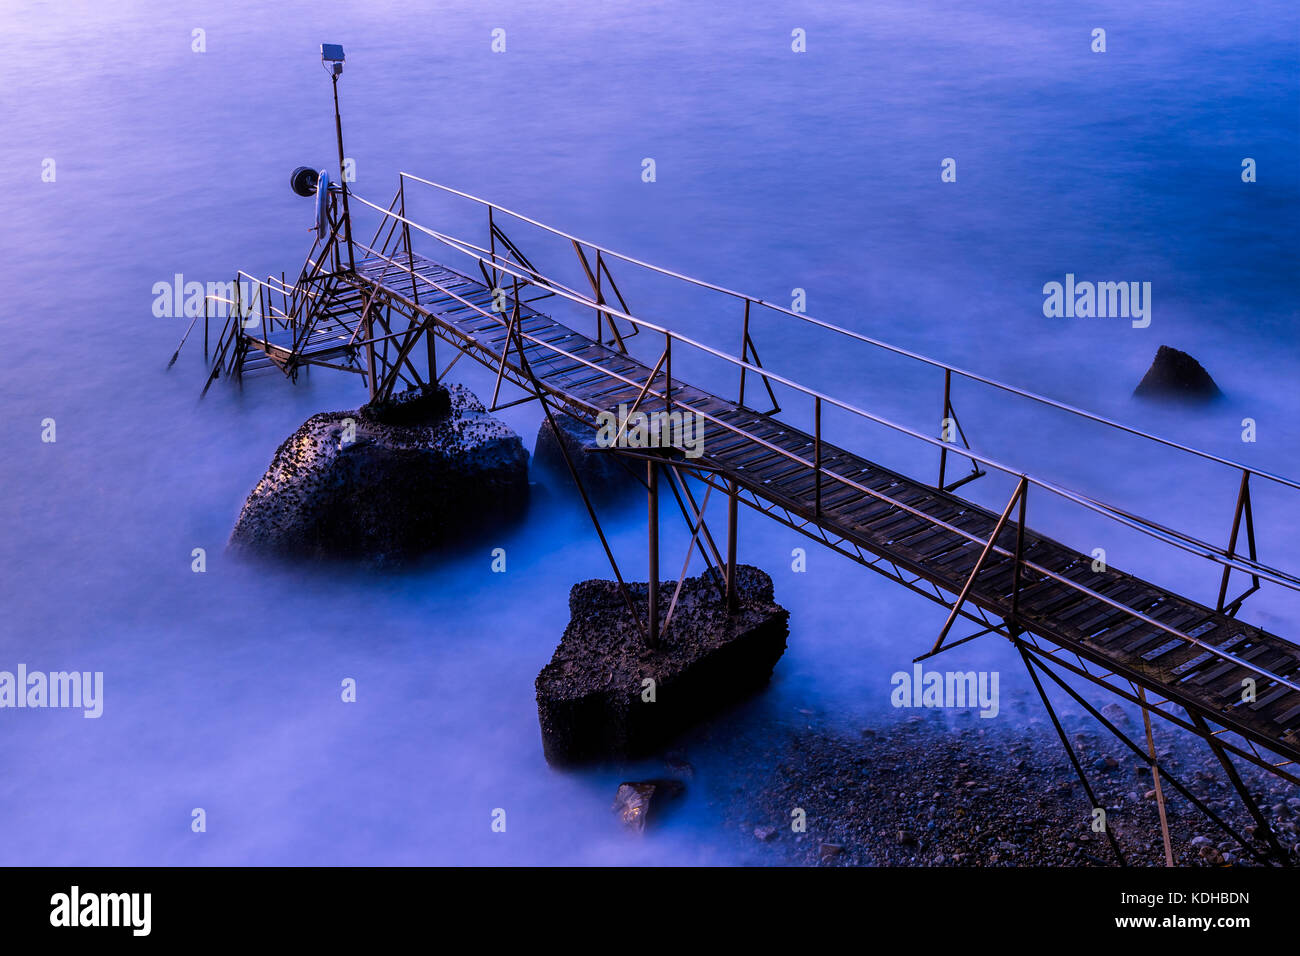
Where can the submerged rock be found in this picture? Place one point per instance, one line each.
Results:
(1176, 375)
(638, 803)
(386, 483)
(593, 699)
(605, 476)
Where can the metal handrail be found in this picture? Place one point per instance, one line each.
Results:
(858, 336)
(1153, 529)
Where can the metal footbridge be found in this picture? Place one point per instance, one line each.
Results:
(400, 318)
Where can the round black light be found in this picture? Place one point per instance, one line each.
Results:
(303, 180)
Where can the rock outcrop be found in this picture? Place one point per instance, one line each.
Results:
(605, 477)
(606, 695)
(1176, 375)
(387, 483)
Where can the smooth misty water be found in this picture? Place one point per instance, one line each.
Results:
(775, 171)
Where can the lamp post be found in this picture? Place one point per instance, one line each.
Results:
(331, 56)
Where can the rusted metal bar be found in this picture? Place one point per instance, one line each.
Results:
(618, 437)
(1124, 739)
(1243, 508)
(668, 372)
(686, 565)
(1155, 777)
(744, 353)
(697, 511)
(943, 422)
(601, 314)
(733, 599)
(1020, 555)
(577, 480)
(1261, 823)
(505, 349)
(652, 525)
(1065, 742)
(970, 581)
(817, 456)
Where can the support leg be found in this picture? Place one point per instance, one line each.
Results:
(1261, 823)
(652, 519)
(1065, 741)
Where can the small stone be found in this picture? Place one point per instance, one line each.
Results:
(766, 834)
(636, 802)
(830, 851)
(1212, 855)
(907, 838)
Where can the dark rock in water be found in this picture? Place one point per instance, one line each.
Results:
(605, 476)
(1176, 375)
(637, 803)
(386, 483)
(592, 702)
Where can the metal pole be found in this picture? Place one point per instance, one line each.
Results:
(817, 454)
(347, 215)
(1155, 776)
(744, 354)
(370, 348)
(1232, 539)
(652, 482)
(943, 423)
(1020, 554)
(668, 371)
(1065, 742)
(733, 599)
(1262, 827)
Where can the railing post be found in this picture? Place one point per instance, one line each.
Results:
(1020, 547)
(744, 353)
(652, 482)
(817, 453)
(943, 424)
(600, 299)
(492, 245)
(668, 371)
(429, 338)
(261, 308)
(1243, 491)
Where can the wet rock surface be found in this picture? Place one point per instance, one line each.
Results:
(641, 803)
(923, 792)
(1175, 375)
(606, 477)
(384, 485)
(592, 697)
